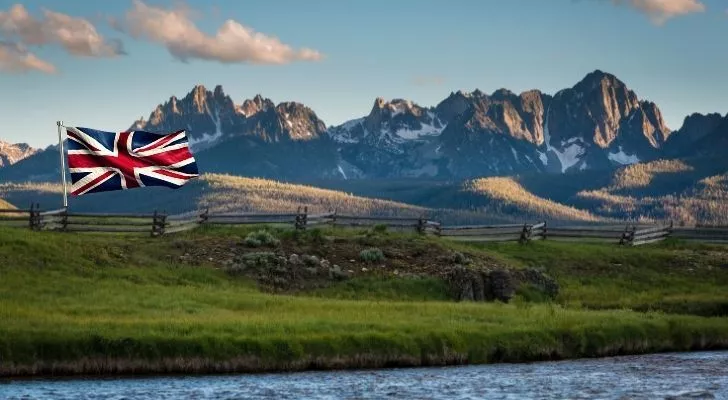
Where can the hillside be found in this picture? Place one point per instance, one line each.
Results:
(5, 205)
(238, 194)
(685, 191)
(691, 190)
(508, 196)
(226, 193)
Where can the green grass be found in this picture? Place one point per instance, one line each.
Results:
(393, 289)
(105, 304)
(672, 277)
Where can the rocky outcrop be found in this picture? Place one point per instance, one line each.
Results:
(473, 284)
(468, 284)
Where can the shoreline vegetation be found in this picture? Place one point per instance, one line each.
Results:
(100, 305)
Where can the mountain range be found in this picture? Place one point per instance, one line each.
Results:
(598, 124)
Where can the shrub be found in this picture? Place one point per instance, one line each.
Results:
(380, 228)
(316, 236)
(261, 238)
(460, 258)
(371, 255)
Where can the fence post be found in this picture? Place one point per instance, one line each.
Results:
(31, 216)
(162, 223)
(525, 234)
(301, 218)
(545, 230)
(623, 239)
(204, 216)
(154, 224)
(421, 225)
(35, 221)
(628, 235)
(333, 217)
(64, 220)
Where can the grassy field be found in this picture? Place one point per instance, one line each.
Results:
(103, 304)
(671, 277)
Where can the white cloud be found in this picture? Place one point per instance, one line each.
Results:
(660, 11)
(233, 42)
(76, 35)
(15, 58)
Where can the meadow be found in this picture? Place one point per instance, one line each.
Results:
(109, 304)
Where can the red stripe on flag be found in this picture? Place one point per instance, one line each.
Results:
(171, 174)
(170, 157)
(94, 182)
(159, 143)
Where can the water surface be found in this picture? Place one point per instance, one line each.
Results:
(701, 375)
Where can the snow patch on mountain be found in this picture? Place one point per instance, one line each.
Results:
(424, 131)
(571, 154)
(208, 140)
(341, 171)
(571, 150)
(623, 158)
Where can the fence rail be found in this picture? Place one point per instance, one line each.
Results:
(159, 223)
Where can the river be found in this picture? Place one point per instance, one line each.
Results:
(700, 375)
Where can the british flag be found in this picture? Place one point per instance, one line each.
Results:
(105, 161)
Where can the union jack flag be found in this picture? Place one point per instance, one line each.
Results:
(105, 161)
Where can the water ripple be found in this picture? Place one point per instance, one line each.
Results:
(665, 376)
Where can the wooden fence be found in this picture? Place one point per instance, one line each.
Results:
(159, 223)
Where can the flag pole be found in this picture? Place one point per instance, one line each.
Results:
(63, 163)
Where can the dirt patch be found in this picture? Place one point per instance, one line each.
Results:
(305, 261)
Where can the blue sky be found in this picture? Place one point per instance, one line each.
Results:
(359, 50)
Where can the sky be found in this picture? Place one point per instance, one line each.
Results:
(104, 64)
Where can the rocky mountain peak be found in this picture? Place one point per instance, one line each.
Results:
(695, 128)
(454, 105)
(256, 105)
(218, 92)
(299, 121)
(11, 153)
(199, 96)
(502, 94)
(138, 124)
(596, 79)
(598, 107)
(379, 103)
(389, 125)
(697, 125)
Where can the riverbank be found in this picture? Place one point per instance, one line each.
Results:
(100, 304)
